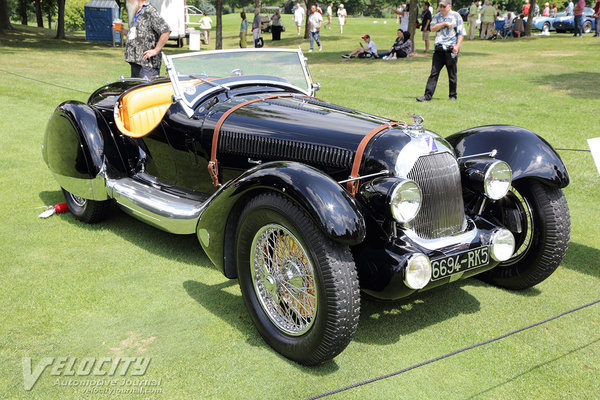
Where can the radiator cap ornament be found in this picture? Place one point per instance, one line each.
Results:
(416, 128)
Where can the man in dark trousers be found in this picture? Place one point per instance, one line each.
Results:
(148, 32)
(450, 33)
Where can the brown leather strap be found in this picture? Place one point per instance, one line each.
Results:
(352, 186)
(213, 165)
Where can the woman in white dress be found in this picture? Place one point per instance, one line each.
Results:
(342, 14)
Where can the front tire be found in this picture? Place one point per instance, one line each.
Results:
(587, 26)
(85, 210)
(542, 235)
(300, 288)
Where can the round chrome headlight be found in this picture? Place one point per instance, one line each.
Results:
(418, 271)
(497, 180)
(503, 245)
(405, 201)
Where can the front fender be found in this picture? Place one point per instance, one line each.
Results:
(329, 205)
(529, 155)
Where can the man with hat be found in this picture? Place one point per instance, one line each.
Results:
(364, 52)
(450, 33)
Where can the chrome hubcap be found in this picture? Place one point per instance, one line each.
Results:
(527, 226)
(79, 201)
(283, 278)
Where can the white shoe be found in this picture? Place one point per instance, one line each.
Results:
(385, 58)
(310, 51)
(320, 48)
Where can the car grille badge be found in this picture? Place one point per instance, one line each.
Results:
(432, 147)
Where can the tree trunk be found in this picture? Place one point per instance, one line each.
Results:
(257, 4)
(23, 11)
(529, 19)
(60, 26)
(219, 35)
(4, 17)
(49, 20)
(309, 4)
(412, 21)
(39, 16)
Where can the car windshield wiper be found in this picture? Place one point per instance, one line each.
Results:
(203, 80)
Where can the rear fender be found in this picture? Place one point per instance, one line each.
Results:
(73, 150)
(529, 155)
(329, 205)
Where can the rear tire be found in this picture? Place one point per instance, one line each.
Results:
(300, 288)
(587, 26)
(85, 210)
(544, 238)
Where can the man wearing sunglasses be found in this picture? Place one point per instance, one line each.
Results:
(450, 33)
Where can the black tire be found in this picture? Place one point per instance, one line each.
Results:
(587, 26)
(544, 238)
(316, 267)
(560, 31)
(85, 210)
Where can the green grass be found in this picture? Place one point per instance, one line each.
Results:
(122, 288)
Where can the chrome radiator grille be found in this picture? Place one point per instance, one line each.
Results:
(442, 211)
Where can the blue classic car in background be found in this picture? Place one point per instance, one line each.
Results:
(565, 24)
(545, 24)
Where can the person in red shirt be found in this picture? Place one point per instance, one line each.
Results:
(597, 16)
(526, 7)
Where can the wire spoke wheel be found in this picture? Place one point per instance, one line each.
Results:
(283, 277)
(300, 287)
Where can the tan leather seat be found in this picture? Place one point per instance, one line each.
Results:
(140, 111)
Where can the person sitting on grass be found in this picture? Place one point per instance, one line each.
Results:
(400, 49)
(364, 52)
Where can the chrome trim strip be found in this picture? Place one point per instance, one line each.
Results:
(435, 244)
(92, 189)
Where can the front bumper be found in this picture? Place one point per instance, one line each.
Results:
(382, 264)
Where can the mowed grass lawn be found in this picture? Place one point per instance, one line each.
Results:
(124, 289)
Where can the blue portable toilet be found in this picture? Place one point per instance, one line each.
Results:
(99, 15)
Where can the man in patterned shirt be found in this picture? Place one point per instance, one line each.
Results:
(148, 32)
(450, 33)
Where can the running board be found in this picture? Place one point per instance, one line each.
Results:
(156, 207)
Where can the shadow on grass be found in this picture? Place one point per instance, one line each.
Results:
(182, 248)
(576, 84)
(387, 322)
(534, 369)
(222, 303)
(582, 258)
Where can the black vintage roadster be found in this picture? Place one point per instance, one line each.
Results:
(308, 203)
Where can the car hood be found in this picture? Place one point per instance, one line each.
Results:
(312, 131)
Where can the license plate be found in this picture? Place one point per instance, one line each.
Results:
(461, 262)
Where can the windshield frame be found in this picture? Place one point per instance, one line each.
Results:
(188, 104)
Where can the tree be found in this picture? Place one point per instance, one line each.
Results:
(39, 16)
(308, 4)
(60, 26)
(412, 21)
(23, 10)
(4, 17)
(219, 38)
(529, 19)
